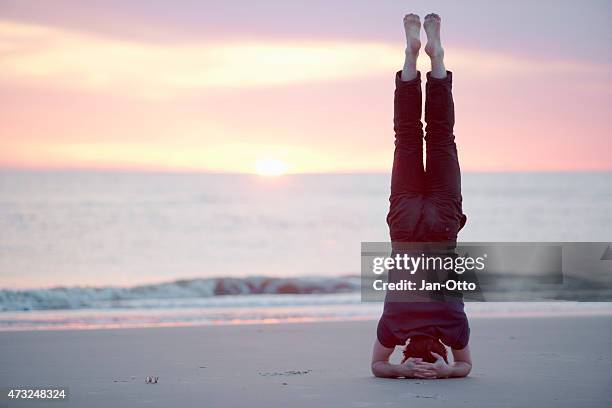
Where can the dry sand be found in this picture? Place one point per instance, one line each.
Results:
(519, 362)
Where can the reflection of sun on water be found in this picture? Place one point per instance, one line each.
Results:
(270, 167)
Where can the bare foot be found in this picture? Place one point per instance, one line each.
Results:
(412, 25)
(433, 48)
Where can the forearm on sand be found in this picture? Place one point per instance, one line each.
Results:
(384, 369)
(460, 369)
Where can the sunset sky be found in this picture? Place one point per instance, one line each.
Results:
(297, 86)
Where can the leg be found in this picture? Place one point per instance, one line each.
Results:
(443, 175)
(408, 174)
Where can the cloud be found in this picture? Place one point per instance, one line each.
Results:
(48, 56)
(35, 55)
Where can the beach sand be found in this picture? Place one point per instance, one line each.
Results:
(518, 362)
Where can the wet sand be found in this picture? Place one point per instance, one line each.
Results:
(519, 362)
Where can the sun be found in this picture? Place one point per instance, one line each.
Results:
(270, 167)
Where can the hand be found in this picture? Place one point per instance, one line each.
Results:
(439, 369)
(412, 368)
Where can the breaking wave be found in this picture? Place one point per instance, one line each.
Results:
(180, 293)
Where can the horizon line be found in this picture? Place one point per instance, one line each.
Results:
(20, 169)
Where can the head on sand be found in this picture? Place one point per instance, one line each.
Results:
(422, 347)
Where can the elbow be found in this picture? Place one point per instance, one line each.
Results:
(374, 369)
(468, 369)
(460, 369)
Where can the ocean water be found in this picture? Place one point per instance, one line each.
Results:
(154, 244)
